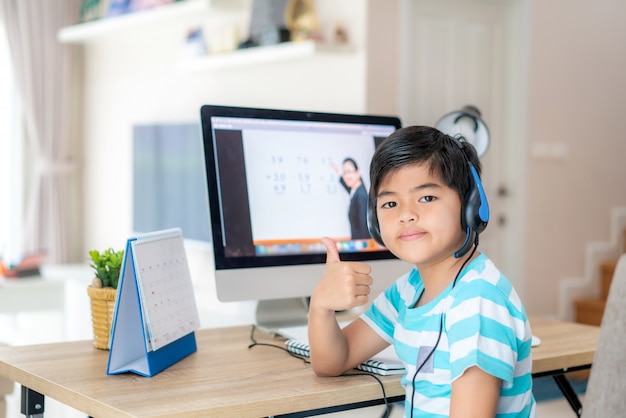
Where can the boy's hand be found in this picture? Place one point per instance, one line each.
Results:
(344, 285)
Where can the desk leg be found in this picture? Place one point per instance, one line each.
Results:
(32, 403)
(568, 392)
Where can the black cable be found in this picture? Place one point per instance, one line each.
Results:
(255, 343)
(382, 388)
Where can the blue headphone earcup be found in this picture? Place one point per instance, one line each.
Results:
(474, 213)
(476, 208)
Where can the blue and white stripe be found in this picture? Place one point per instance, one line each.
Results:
(484, 324)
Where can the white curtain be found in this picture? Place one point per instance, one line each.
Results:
(45, 73)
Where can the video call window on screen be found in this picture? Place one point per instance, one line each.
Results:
(280, 183)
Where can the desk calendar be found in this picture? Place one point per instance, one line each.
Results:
(155, 311)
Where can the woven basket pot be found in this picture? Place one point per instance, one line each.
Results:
(102, 307)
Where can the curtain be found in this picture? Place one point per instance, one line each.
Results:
(45, 75)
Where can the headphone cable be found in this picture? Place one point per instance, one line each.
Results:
(430, 354)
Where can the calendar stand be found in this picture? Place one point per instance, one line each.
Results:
(137, 345)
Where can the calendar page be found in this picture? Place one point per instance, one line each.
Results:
(167, 298)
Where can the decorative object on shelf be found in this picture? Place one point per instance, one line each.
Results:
(137, 5)
(91, 10)
(100, 29)
(267, 24)
(341, 34)
(224, 40)
(301, 19)
(102, 293)
(120, 7)
(195, 46)
(117, 7)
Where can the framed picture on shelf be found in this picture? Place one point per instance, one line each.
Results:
(93, 10)
(117, 7)
(137, 5)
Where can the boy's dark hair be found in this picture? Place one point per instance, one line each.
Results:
(424, 145)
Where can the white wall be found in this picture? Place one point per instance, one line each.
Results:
(577, 100)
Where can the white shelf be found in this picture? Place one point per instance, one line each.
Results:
(85, 32)
(256, 55)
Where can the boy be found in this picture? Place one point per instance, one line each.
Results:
(455, 320)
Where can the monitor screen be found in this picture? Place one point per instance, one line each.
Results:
(278, 181)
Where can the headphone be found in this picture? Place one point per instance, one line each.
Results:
(474, 208)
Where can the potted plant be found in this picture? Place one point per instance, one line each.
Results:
(102, 293)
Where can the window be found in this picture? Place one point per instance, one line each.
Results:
(11, 177)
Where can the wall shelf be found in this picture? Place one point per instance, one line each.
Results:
(88, 31)
(256, 55)
(83, 33)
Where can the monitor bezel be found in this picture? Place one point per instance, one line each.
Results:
(222, 262)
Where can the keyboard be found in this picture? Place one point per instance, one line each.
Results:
(384, 363)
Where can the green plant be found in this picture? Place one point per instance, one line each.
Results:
(106, 265)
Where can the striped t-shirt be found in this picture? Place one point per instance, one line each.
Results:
(479, 322)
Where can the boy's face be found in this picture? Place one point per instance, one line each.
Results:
(419, 216)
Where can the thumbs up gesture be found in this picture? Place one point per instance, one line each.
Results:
(344, 285)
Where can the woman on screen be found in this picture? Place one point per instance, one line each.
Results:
(352, 181)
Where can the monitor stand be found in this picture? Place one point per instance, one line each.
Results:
(281, 313)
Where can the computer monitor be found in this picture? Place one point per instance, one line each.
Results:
(276, 186)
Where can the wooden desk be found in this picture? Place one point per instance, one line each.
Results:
(226, 379)
(223, 378)
(565, 347)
